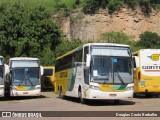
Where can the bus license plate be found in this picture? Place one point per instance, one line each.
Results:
(25, 92)
(113, 95)
(155, 87)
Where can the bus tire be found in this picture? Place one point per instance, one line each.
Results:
(82, 100)
(60, 93)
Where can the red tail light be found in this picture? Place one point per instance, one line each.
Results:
(139, 75)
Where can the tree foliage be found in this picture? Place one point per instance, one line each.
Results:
(149, 40)
(25, 31)
(115, 37)
(92, 6)
(66, 46)
(120, 38)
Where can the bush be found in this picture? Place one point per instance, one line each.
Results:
(149, 40)
(145, 6)
(119, 37)
(131, 3)
(91, 7)
(66, 46)
(115, 37)
(114, 5)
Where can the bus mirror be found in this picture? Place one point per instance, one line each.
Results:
(6, 69)
(42, 70)
(88, 60)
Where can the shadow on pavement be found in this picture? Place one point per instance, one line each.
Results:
(21, 98)
(100, 102)
(147, 96)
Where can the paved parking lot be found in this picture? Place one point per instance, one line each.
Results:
(48, 101)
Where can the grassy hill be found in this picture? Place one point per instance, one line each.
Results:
(49, 4)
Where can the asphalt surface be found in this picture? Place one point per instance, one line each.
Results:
(54, 106)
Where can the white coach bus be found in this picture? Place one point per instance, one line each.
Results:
(95, 71)
(2, 77)
(24, 76)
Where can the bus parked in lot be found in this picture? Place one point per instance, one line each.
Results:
(24, 76)
(95, 71)
(147, 71)
(2, 77)
(48, 78)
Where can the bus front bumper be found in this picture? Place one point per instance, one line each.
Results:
(101, 95)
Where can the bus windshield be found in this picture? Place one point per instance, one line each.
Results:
(25, 76)
(112, 70)
(1, 74)
(48, 72)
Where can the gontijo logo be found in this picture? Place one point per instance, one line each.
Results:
(154, 57)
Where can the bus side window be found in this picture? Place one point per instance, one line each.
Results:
(77, 58)
(86, 70)
(85, 53)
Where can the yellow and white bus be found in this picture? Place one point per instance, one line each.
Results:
(47, 80)
(147, 71)
(24, 76)
(96, 71)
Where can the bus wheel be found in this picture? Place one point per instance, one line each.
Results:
(60, 93)
(82, 100)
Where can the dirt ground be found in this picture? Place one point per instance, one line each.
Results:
(48, 101)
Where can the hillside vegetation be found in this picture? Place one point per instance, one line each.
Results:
(27, 27)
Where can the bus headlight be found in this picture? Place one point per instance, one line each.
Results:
(13, 88)
(1, 88)
(94, 87)
(142, 83)
(130, 88)
(38, 87)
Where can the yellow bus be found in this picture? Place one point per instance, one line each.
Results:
(147, 71)
(47, 80)
(95, 71)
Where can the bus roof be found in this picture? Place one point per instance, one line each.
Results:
(69, 52)
(48, 67)
(1, 56)
(107, 44)
(135, 53)
(90, 44)
(23, 58)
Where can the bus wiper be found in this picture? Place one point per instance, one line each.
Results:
(120, 78)
(27, 78)
(30, 81)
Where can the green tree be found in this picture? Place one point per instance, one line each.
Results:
(115, 37)
(25, 31)
(145, 6)
(114, 5)
(149, 40)
(92, 6)
(131, 3)
(77, 2)
(66, 46)
(120, 38)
